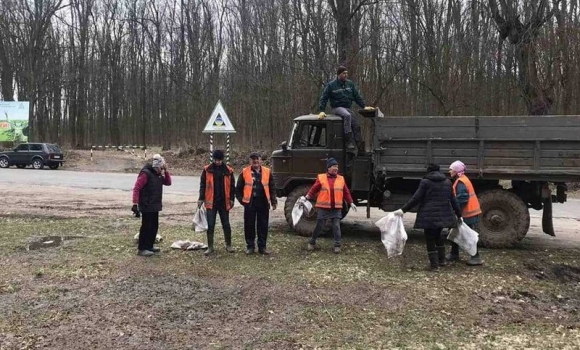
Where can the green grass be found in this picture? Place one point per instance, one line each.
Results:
(95, 288)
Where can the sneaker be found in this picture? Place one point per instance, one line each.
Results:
(249, 251)
(263, 251)
(336, 250)
(145, 253)
(310, 247)
(229, 249)
(209, 251)
(475, 261)
(155, 249)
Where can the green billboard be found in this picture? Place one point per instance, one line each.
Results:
(14, 121)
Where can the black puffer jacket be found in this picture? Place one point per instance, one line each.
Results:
(437, 205)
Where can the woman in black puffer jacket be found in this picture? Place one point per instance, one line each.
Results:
(437, 210)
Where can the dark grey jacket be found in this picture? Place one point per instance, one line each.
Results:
(437, 205)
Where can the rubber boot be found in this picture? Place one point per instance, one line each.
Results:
(228, 239)
(209, 249)
(433, 261)
(454, 255)
(441, 256)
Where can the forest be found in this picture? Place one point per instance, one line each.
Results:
(149, 72)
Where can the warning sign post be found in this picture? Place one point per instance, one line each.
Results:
(219, 123)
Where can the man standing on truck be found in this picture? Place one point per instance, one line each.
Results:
(342, 92)
(147, 199)
(216, 192)
(256, 191)
(469, 205)
(332, 192)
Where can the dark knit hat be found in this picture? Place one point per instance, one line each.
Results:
(218, 154)
(433, 167)
(340, 70)
(330, 162)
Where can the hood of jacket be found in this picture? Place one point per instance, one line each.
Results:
(435, 176)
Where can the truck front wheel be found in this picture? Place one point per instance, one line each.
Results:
(307, 223)
(505, 220)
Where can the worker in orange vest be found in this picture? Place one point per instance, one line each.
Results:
(469, 205)
(216, 192)
(332, 193)
(256, 191)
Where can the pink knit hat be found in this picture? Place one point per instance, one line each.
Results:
(458, 167)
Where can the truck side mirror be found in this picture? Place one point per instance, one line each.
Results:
(284, 145)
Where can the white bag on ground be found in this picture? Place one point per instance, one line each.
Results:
(465, 237)
(200, 220)
(187, 245)
(298, 211)
(393, 234)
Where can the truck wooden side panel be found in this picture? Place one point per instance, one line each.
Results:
(541, 148)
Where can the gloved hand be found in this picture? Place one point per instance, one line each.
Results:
(274, 206)
(399, 212)
(135, 210)
(199, 203)
(302, 199)
(459, 221)
(369, 108)
(353, 206)
(321, 115)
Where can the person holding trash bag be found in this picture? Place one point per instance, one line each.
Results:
(438, 209)
(147, 199)
(469, 205)
(216, 192)
(332, 191)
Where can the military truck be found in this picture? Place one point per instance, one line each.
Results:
(516, 163)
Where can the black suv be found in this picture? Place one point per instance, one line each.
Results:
(36, 154)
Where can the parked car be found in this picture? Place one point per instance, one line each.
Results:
(36, 154)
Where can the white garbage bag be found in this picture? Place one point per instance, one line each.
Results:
(299, 209)
(393, 234)
(187, 245)
(200, 220)
(465, 237)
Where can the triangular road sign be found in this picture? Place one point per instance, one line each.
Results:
(219, 122)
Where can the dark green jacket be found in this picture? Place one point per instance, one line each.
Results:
(340, 94)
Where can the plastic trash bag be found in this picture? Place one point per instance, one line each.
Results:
(200, 220)
(393, 234)
(298, 211)
(187, 245)
(158, 238)
(465, 237)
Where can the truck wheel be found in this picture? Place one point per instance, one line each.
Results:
(505, 220)
(307, 223)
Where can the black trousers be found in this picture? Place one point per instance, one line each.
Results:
(434, 239)
(148, 231)
(211, 215)
(256, 216)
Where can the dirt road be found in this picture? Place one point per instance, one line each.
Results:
(91, 194)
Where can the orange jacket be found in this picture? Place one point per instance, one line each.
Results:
(472, 208)
(249, 181)
(209, 188)
(323, 200)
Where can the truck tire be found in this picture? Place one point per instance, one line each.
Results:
(505, 220)
(307, 223)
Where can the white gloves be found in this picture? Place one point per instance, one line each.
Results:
(399, 212)
(353, 206)
(302, 199)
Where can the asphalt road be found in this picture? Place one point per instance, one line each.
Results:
(183, 185)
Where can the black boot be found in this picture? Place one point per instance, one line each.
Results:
(454, 255)
(349, 142)
(441, 256)
(433, 261)
(210, 249)
(361, 147)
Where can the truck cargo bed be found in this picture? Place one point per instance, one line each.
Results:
(514, 147)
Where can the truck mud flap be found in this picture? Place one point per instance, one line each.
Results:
(547, 222)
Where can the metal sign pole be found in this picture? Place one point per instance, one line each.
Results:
(211, 147)
(228, 148)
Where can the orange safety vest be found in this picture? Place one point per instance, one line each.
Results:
(323, 200)
(472, 208)
(209, 188)
(249, 182)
